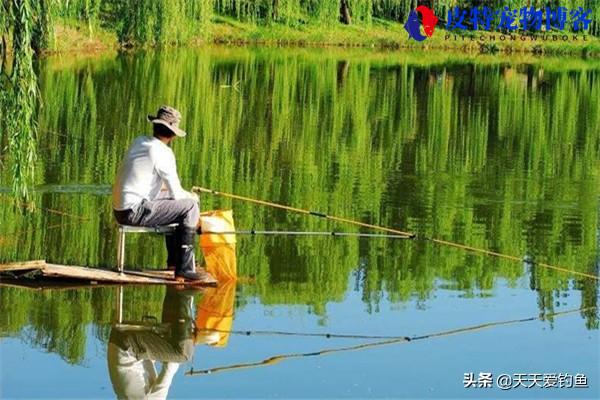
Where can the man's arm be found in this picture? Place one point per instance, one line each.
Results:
(164, 163)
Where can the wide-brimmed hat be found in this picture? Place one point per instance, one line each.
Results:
(169, 117)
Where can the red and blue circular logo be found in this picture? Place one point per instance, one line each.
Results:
(413, 25)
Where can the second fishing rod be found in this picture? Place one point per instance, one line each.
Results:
(406, 235)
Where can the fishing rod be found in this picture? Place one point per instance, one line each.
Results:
(364, 346)
(302, 211)
(308, 233)
(408, 235)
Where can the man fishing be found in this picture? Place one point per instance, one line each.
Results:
(147, 192)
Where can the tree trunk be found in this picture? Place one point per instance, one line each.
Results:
(345, 12)
(274, 14)
(4, 51)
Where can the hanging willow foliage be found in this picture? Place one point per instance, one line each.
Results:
(42, 24)
(293, 12)
(5, 24)
(161, 22)
(85, 10)
(20, 94)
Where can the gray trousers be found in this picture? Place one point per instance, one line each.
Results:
(184, 212)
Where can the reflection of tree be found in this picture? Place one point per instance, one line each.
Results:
(591, 289)
(481, 159)
(58, 321)
(342, 72)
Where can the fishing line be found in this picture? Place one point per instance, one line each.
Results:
(398, 340)
(303, 334)
(64, 214)
(49, 210)
(49, 227)
(408, 235)
(307, 233)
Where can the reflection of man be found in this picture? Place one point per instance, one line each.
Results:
(133, 349)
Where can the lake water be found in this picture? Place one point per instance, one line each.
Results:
(496, 153)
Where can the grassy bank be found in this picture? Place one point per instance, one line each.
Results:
(73, 36)
(386, 34)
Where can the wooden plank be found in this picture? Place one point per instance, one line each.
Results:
(85, 275)
(153, 273)
(168, 275)
(22, 266)
(98, 275)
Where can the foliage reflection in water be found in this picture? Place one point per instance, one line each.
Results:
(492, 154)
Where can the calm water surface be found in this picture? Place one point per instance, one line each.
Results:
(503, 155)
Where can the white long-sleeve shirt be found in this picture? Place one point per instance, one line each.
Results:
(148, 165)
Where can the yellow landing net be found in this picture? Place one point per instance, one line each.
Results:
(214, 226)
(218, 244)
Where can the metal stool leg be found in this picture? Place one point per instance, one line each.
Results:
(120, 305)
(121, 251)
(118, 247)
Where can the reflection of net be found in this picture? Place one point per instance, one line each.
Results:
(215, 315)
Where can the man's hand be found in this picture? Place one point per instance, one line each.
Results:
(195, 197)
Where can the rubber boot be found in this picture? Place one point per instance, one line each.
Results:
(186, 268)
(172, 251)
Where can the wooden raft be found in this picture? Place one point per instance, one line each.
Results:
(46, 271)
